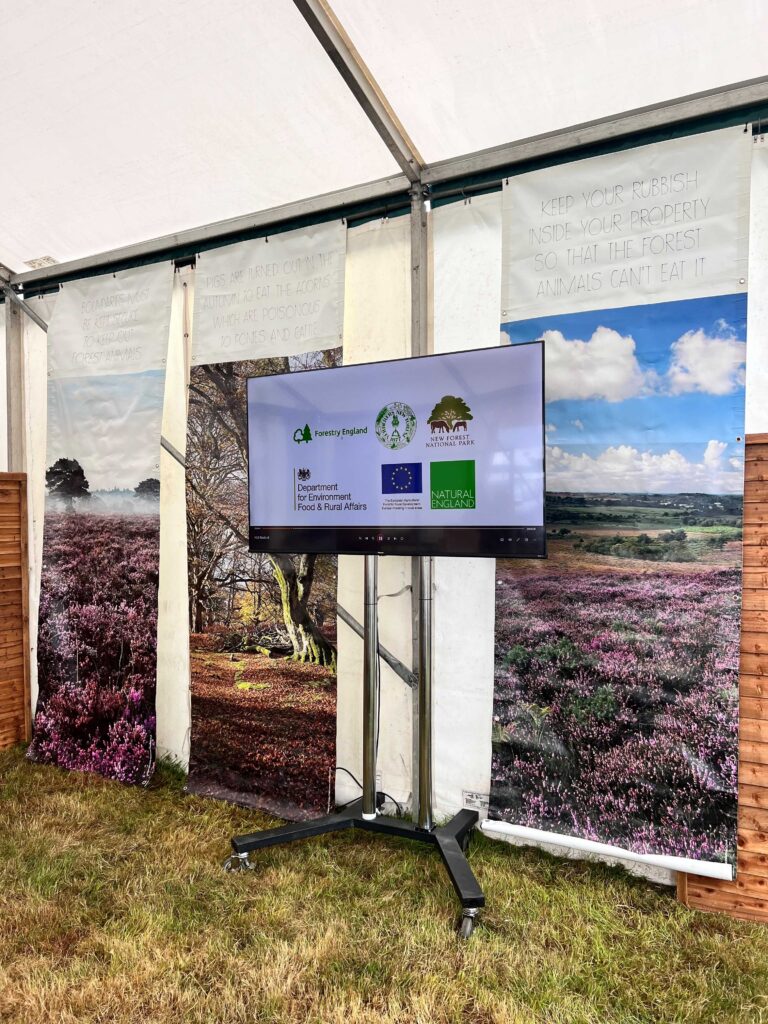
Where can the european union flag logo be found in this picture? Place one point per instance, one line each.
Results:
(401, 478)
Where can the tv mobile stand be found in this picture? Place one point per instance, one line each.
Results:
(452, 839)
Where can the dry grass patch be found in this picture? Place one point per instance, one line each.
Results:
(114, 908)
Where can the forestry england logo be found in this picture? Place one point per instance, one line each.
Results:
(300, 435)
(396, 425)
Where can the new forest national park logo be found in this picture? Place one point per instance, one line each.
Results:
(451, 415)
(396, 425)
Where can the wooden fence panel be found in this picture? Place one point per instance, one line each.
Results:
(747, 896)
(15, 722)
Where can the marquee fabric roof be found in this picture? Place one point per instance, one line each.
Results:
(128, 120)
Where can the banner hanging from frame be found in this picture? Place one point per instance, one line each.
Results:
(97, 629)
(276, 296)
(616, 693)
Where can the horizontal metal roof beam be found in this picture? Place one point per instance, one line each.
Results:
(690, 108)
(220, 230)
(631, 122)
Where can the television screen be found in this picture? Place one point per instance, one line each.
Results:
(437, 455)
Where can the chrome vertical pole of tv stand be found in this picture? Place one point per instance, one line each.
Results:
(425, 820)
(370, 682)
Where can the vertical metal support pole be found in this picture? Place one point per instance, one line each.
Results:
(14, 382)
(425, 693)
(419, 273)
(370, 682)
(419, 347)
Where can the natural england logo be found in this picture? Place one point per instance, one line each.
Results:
(396, 425)
(449, 423)
(452, 484)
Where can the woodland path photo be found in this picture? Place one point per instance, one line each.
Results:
(263, 627)
(269, 733)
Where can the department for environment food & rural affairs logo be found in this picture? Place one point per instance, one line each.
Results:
(396, 425)
(304, 434)
(452, 484)
(304, 474)
(450, 415)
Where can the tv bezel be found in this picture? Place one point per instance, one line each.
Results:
(502, 541)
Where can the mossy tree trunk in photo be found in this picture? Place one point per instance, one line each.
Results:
(294, 577)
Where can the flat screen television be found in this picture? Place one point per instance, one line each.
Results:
(436, 455)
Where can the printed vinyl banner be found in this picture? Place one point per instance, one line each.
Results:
(113, 324)
(276, 296)
(616, 691)
(263, 626)
(659, 222)
(98, 603)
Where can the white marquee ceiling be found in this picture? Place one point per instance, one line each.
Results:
(465, 76)
(129, 119)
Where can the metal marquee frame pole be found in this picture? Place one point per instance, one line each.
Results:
(371, 683)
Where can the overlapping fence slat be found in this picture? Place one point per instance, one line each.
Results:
(747, 896)
(14, 611)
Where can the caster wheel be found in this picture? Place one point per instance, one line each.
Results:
(467, 925)
(233, 863)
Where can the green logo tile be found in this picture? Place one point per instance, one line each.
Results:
(452, 484)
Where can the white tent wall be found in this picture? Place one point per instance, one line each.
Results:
(173, 695)
(756, 413)
(377, 325)
(466, 289)
(35, 369)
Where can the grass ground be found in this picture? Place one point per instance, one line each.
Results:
(114, 908)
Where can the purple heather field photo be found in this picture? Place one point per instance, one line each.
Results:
(617, 657)
(97, 622)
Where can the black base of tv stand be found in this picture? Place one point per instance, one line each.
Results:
(451, 840)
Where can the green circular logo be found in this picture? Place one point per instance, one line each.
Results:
(396, 425)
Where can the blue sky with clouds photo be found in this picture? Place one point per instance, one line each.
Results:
(644, 398)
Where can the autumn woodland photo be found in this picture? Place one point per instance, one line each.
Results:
(263, 627)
